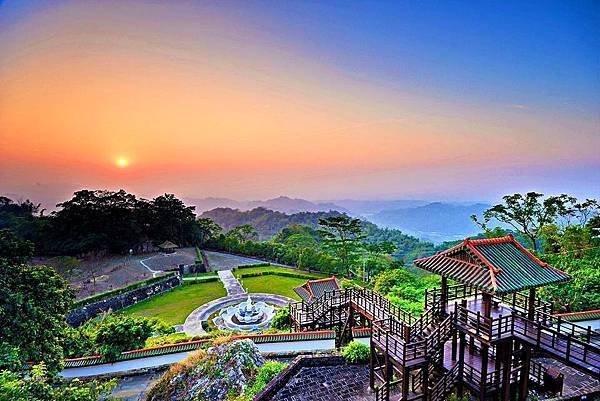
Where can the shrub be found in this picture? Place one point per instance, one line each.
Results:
(282, 319)
(112, 335)
(265, 374)
(356, 352)
(279, 273)
(250, 265)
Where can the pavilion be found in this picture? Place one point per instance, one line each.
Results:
(168, 247)
(313, 289)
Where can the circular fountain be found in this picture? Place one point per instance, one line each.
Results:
(246, 316)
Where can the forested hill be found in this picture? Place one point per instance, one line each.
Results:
(267, 223)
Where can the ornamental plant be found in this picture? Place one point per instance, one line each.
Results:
(356, 352)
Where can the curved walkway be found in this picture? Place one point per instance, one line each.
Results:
(193, 323)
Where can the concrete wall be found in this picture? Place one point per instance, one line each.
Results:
(79, 315)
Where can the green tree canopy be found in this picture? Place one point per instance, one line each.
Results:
(33, 304)
(528, 214)
(342, 236)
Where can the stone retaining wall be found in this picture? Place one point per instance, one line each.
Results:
(303, 361)
(80, 315)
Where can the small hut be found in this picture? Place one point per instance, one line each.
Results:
(168, 247)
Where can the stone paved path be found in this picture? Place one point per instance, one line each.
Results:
(328, 383)
(231, 284)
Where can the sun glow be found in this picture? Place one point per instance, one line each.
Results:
(122, 162)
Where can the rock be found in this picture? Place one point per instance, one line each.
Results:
(213, 375)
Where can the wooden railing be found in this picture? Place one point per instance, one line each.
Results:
(517, 300)
(369, 303)
(442, 388)
(560, 344)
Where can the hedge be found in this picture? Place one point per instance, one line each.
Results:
(200, 280)
(261, 264)
(118, 291)
(279, 273)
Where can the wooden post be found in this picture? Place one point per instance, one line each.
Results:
(531, 304)
(444, 296)
(506, 371)
(484, 370)
(461, 361)
(454, 338)
(372, 366)
(425, 385)
(405, 374)
(525, 373)
(487, 304)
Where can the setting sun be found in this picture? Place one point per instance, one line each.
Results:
(122, 162)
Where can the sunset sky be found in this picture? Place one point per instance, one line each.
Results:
(320, 100)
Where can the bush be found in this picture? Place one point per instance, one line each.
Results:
(112, 335)
(279, 273)
(282, 319)
(250, 265)
(356, 352)
(265, 374)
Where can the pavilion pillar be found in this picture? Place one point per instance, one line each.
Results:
(487, 312)
(444, 296)
(531, 304)
(486, 299)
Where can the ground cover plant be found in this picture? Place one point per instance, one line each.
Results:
(174, 306)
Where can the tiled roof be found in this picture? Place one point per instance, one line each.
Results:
(193, 345)
(578, 316)
(313, 289)
(496, 265)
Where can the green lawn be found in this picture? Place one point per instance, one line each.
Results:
(174, 306)
(272, 284)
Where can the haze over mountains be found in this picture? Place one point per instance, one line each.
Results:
(432, 221)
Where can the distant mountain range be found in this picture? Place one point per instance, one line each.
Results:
(431, 221)
(266, 222)
(282, 204)
(436, 222)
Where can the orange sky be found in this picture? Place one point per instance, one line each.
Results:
(205, 105)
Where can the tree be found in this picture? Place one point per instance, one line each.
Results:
(40, 385)
(528, 213)
(342, 236)
(13, 249)
(118, 333)
(33, 304)
(207, 229)
(243, 233)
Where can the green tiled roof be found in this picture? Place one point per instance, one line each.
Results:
(496, 265)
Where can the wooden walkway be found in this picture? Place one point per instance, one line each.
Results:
(409, 341)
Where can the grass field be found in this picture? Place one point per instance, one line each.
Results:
(174, 306)
(272, 284)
